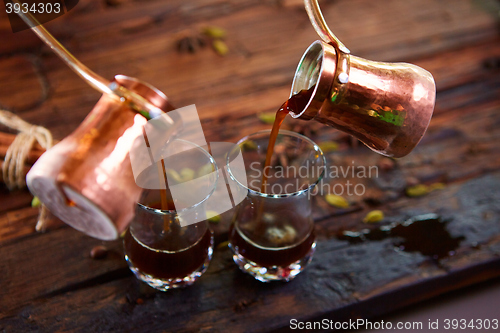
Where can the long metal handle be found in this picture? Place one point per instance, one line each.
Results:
(319, 24)
(133, 100)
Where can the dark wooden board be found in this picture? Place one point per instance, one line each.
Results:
(343, 281)
(50, 283)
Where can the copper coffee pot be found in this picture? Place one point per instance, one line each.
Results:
(87, 179)
(387, 106)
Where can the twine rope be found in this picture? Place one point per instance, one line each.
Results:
(13, 166)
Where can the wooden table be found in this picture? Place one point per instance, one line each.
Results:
(49, 282)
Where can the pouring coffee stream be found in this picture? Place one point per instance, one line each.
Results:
(295, 103)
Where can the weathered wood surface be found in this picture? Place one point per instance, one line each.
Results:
(49, 282)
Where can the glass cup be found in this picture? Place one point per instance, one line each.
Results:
(272, 232)
(168, 247)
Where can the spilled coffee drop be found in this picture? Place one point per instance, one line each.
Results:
(426, 234)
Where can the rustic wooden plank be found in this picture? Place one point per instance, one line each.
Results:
(38, 265)
(57, 287)
(27, 78)
(35, 250)
(411, 163)
(17, 223)
(463, 65)
(473, 71)
(342, 282)
(13, 200)
(247, 104)
(464, 126)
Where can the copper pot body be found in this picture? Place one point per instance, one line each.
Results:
(86, 179)
(387, 106)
